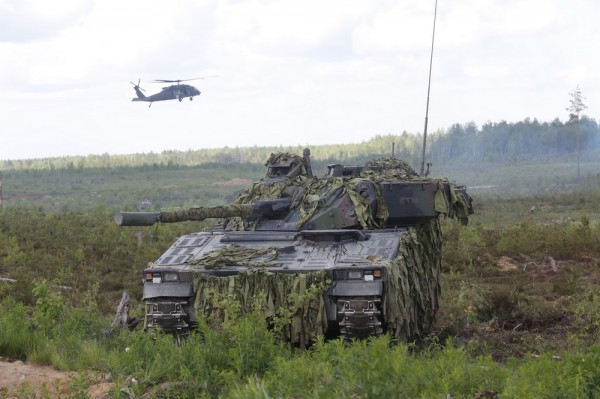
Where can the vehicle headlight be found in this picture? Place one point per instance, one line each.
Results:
(355, 274)
(170, 276)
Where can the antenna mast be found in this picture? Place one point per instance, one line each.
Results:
(428, 89)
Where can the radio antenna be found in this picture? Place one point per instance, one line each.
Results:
(428, 89)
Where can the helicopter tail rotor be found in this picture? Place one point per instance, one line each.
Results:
(137, 86)
(138, 91)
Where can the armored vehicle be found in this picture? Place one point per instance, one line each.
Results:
(355, 253)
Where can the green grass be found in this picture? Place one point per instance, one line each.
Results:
(519, 310)
(169, 186)
(244, 359)
(127, 188)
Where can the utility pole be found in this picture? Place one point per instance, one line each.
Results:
(575, 109)
(428, 89)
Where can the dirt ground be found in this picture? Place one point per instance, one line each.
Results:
(21, 380)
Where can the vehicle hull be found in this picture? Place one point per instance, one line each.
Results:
(328, 283)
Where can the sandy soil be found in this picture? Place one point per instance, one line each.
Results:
(18, 380)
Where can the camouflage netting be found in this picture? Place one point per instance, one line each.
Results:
(314, 192)
(297, 296)
(412, 289)
(456, 205)
(409, 303)
(400, 168)
(261, 190)
(281, 158)
(235, 254)
(317, 192)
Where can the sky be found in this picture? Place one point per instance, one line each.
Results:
(283, 72)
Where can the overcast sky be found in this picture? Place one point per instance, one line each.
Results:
(288, 72)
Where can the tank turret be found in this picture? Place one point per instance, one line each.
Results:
(366, 238)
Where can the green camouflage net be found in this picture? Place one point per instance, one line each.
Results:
(234, 255)
(461, 204)
(297, 298)
(367, 221)
(398, 167)
(261, 190)
(318, 191)
(281, 158)
(457, 205)
(412, 288)
(409, 302)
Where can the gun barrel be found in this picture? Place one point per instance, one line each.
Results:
(136, 218)
(203, 213)
(261, 209)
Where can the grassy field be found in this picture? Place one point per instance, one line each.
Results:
(215, 184)
(127, 188)
(518, 318)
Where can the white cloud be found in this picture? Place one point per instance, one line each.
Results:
(401, 26)
(29, 20)
(288, 71)
(529, 16)
(486, 71)
(282, 27)
(53, 10)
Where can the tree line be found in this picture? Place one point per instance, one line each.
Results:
(492, 142)
(503, 141)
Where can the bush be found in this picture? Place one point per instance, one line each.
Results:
(17, 338)
(461, 245)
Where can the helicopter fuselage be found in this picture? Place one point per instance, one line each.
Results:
(173, 92)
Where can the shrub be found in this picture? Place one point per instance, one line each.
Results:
(17, 338)
(461, 245)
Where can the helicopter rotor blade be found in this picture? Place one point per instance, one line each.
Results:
(181, 80)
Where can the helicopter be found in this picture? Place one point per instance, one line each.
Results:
(177, 91)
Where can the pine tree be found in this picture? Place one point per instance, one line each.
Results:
(575, 109)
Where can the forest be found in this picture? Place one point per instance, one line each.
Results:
(493, 142)
(518, 316)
